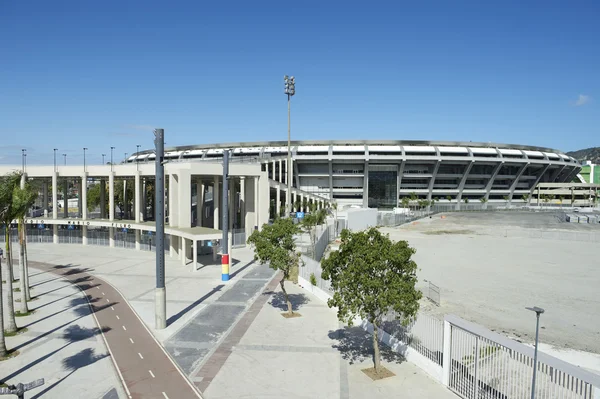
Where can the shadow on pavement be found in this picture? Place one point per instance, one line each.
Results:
(73, 305)
(191, 306)
(356, 345)
(297, 300)
(247, 265)
(71, 334)
(81, 359)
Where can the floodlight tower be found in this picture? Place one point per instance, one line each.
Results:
(290, 90)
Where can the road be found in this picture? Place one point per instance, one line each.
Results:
(144, 367)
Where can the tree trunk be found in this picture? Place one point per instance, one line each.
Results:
(376, 355)
(287, 298)
(22, 278)
(27, 293)
(3, 352)
(11, 324)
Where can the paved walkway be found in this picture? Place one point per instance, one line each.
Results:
(62, 344)
(145, 368)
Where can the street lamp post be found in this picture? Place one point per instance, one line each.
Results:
(65, 157)
(23, 159)
(125, 160)
(84, 150)
(290, 90)
(538, 312)
(56, 149)
(111, 158)
(103, 155)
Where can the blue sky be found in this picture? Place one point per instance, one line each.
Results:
(94, 74)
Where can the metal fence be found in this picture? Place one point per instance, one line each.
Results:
(425, 334)
(310, 268)
(433, 293)
(238, 238)
(391, 219)
(98, 237)
(486, 365)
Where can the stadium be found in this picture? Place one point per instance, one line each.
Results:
(379, 173)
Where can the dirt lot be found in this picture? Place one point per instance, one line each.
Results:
(489, 268)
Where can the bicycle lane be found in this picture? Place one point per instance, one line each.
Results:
(143, 366)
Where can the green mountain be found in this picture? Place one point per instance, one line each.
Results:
(588, 154)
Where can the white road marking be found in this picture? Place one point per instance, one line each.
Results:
(111, 308)
(117, 317)
(103, 293)
(124, 328)
(140, 355)
(151, 373)
(131, 340)
(107, 300)
(165, 395)
(97, 288)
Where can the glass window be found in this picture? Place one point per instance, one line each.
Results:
(383, 181)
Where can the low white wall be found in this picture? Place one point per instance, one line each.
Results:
(431, 368)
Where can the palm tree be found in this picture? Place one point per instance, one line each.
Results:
(8, 214)
(525, 198)
(23, 199)
(506, 199)
(449, 198)
(413, 197)
(405, 202)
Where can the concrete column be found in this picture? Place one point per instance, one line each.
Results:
(280, 171)
(277, 202)
(66, 199)
(243, 202)
(111, 197)
(183, 250)
(274, 172)
(256, 209)
(54, 196)
(216, 221)
(111, 235)
(80, 199)
(366, 186)
(84, 235)
(231, 202)
(45, 198)
(138, 239)
(144, 199)
(173, 245)
(137, 198)
(83, 197)
(200, 201)
(125, 209)
(55, 233)
(102, 199)
(195, 254)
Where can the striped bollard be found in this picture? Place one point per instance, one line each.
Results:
(225, 267)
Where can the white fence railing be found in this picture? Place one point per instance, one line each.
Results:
(479, 363)
(472, 361)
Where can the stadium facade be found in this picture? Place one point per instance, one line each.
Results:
(380, 173)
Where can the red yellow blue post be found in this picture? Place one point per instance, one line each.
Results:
(225, 267)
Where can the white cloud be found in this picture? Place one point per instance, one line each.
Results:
(582, 100)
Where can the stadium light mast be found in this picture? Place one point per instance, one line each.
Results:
(290, 90)
(538, 312)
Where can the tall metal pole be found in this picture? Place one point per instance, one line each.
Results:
(288, 196)
(103, 155)
(84, 149)
(111, 158)
(65, 157)
(23, 160)
(535, 353)
(225, 218)
(56, 149)
(137, 163)
(159, 216)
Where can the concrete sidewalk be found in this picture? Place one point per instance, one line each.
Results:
(62, 344)
(312, 357)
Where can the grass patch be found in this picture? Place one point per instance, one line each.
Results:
(442, 232)
(19, 314)
(10, 354)
(12, 334)
(383, 373)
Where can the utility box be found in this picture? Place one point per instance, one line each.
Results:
(361, 219)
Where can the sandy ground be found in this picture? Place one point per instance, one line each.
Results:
(489, 277)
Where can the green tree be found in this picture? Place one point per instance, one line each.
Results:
(466, 200)
(24, 197)
(93, 196)
(371, 275)
(8, 213)
(274, 244)
(297, 205)
(304, 204)
(310, 223)
(449, 198)
(506, 199)
(405, 202)
(413, 197)
(525, 198)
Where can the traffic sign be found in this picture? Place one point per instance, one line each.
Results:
(300, 215)
(40, 226)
